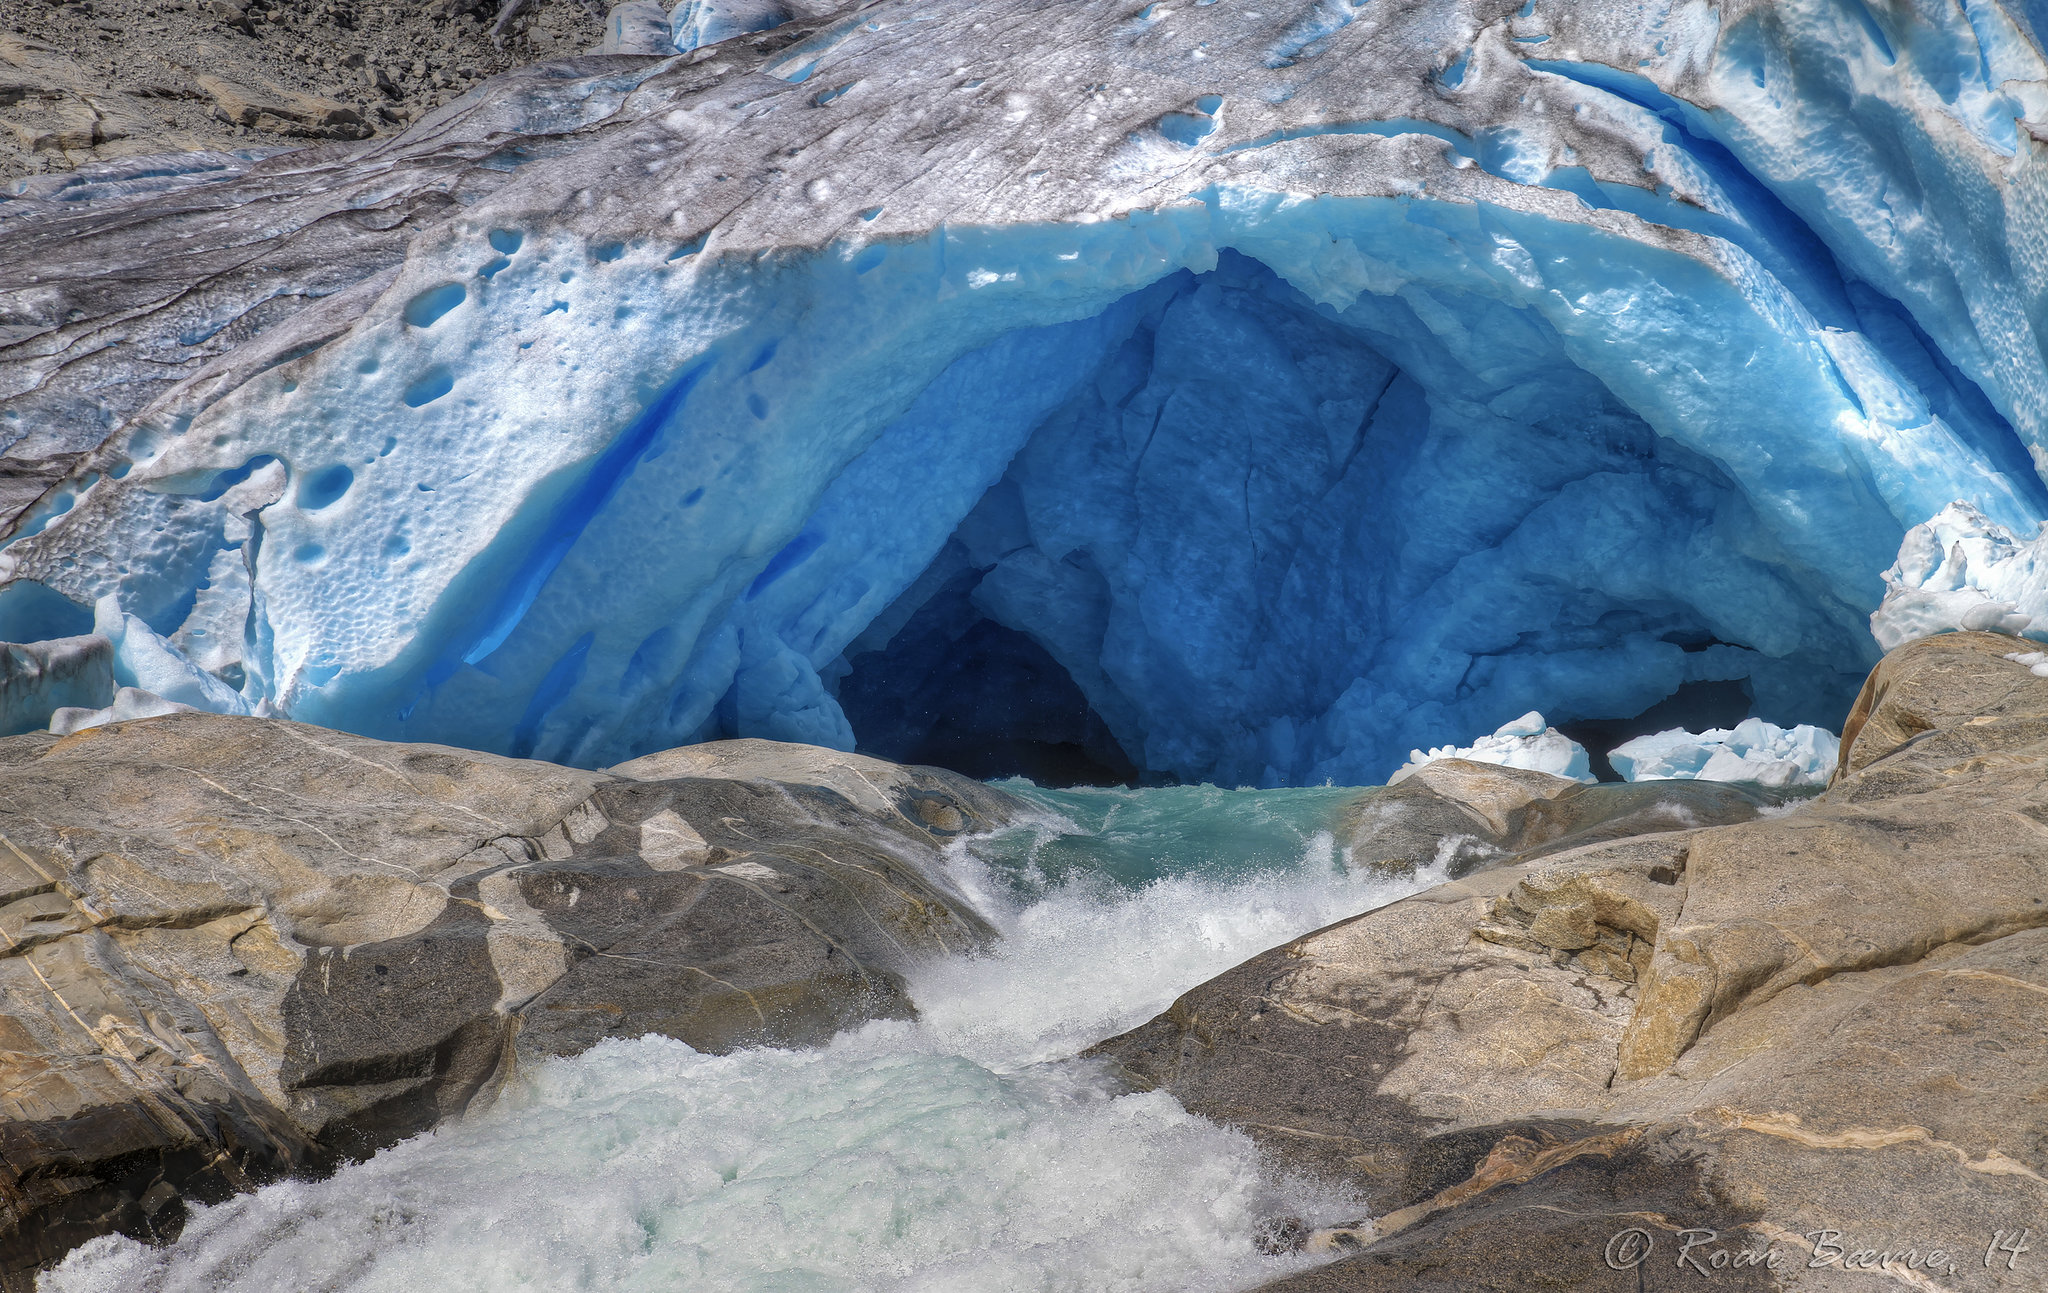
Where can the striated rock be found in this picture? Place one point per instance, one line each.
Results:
(940, 802)
(1815, 1034)
(236, 948)
(132, 76)
(1958, 680)
(282, 112)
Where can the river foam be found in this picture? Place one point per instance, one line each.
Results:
(966, 1150)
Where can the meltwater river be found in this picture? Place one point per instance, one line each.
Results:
(968, 1150)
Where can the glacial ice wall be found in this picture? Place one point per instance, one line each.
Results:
(1256, 395)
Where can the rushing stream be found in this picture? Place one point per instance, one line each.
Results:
(967, 1150)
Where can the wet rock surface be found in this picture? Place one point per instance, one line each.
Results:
(1817, 1028)
(239, 948)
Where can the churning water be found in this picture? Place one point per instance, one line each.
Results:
(966, 1151)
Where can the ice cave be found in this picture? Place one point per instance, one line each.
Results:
(1182, 505)
(1365, 433)
(1214, 530)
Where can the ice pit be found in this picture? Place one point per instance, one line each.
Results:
(1254, 489)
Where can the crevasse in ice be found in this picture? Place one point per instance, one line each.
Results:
(1222, 394)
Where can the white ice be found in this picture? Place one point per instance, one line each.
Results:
(145, 661)
(1963, 570)
(129, 703)
(1753, 750)
(2036, 661)
(1525, 742)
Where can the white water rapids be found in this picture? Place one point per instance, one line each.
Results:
(966, 1150)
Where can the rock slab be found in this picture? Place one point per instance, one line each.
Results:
(236, 948)
(1814, 1036)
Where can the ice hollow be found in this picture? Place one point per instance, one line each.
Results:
(1217, 395)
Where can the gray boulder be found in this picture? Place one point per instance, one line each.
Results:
(238, 948)
(1468, 816)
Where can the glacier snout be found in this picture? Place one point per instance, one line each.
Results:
(1235, 416)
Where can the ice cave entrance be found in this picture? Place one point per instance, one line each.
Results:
(1263, 541)
(1106, 502)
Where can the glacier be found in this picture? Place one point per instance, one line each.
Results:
(1155, 393)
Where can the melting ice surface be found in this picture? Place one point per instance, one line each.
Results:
(1290, 418)
(1963, 570)
(1752, 751)
(1525, 742)
(968, 1150)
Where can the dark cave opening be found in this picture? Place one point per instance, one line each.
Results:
(956, 690)
(1222, 534)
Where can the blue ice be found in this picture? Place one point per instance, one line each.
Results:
(696, 23)
(1258, 488)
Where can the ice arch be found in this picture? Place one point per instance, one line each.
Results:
(1279, 485)
(1275, 541)
(1278, 543)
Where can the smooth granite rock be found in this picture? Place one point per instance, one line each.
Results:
(236, 948)
(1467, 816)
(1816, 1035)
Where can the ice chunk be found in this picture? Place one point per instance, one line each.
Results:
(1526, 742)
(1753, 750)
(637, 27)
(1963, 570)
(1664, 756)
(146, 661)
(37, 679)
(212, 635)
(1529, 724)
(129, 703)
(2036, 661)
